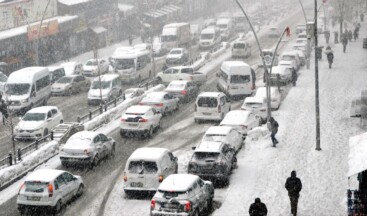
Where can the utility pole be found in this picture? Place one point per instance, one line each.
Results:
(95, 54)
(317, 102)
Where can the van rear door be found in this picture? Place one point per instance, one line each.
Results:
(136, 176)
(207, 106)
(240, 84)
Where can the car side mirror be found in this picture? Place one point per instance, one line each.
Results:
(193, 148)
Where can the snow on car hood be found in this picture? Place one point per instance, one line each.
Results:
(97, 93)
(174, 56)
(60, 85)
(27, 125)
(16, 97)
(76, 144)
(89, 68)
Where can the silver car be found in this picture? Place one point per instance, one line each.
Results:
(184, 195)
(69, 85)
(86, 147)
(163, 102)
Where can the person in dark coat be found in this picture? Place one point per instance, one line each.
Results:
(327, 36)
(344, 42)
(355, 34)
(336, 36)
(329, 55)
(350, 35)
(294, 77)
(258, 208)
(273, 127)
(293, 186)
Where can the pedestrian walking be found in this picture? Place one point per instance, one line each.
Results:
(293, 186)
(329, 55)
(294, 77)
(355, 33)
(327, 36)
(336, 36)
(273, 127)
(350, 35)
(344, 42)
(130, 40)
(258, 208)
(362, 17)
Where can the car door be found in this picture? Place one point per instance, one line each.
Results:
(168, 103)
(56, 118)
(106, 144)
(62, 187)
(155, 116)
(167, 75)
(97, 143)
(71, 185)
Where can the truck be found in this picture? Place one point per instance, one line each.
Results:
(176, 35)
(181, 73)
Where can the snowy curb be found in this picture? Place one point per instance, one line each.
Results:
(220, 51)
(201, 62)
(12, 173)
(113, 113)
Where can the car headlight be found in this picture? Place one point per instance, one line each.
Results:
(24, 100)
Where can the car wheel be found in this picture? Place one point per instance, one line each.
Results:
(80, 190)
(58, 207)
(120, 93)
(150, 132)
(61, 121)
(234, 163)
(94, 163)
(45, 132)
(70, 92)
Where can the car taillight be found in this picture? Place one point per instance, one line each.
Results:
(143, 120)
(152, 204)
(50, 190)
(219, 109)
(122, 120)
(159, 105)
(160, 179)
(125, 178)
(187, 206)
(21, 187)
(183, 92)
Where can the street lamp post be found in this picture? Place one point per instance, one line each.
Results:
(38, 35)
(266, 74)
(317, 101)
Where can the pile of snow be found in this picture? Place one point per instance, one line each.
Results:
(357, 154)
(115, 112)
(29, 162)
(201, 61)
(258, 133)
(221, 50)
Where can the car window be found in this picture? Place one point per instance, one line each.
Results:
(187, 71)
(140, 167)
(60, 181)
(222, 101)
(171, 156)
(35, 186)
(174, 71)
(96, 139)
(68, 177)
(54, 112)
(103, 137)
(207, 102)
(240, 79)
(168, 71)
(201, 183)
(49, 114)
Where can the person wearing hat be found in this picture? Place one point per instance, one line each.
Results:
(293, 186)
(258, 208)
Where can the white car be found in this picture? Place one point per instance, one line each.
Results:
(284, 72)
(38, 122)
(224, 134)
(95, 67)
(241, 120)
(70, 84)
(50, 189)
(275, 96)
(291, 56)
(140, 119)
(72, 68)
(211, 106)
(133, 92)
(301, 55)
(163, 102)
(257, 105)
(86, 148)
(177, 56)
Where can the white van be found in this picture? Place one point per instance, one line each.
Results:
(236, 79)
(27, 88)
(211, 106)
(241, 49)
(110, 86)
(146, 168)
(225, 26)
(133, 65)
(209, 38)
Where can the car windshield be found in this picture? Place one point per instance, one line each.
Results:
(215, 137)
(140, 167)
(253, 104)
(207, 102)
(35, 186)
(91, 63)
(206, 155)
(268, 53)
(103, 84)
(34, 117)
(206, 36)
(171, 194)
(64, 80)
(239, 46)
(168, 38)
(175, 52)
(121, 64)
(236, 79)
(17, 89)
(179, 86)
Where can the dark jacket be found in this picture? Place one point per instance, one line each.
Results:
(294, 76)
(330, 57)
(293, 185)
(345, 39)
(274, 125)
(258, 209)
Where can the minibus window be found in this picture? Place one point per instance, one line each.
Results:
(236, 79)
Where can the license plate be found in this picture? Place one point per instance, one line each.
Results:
(136, 184)
(206, 113)
(170, 207)
(33, 198)
(133, 125)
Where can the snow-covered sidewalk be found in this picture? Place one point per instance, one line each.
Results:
(262, 169)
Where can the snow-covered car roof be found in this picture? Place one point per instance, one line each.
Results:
(178, 182)
(148, 154)
(209, 146)
(154, 95)
(84, 135)
(210, 94)
(180, 67)
(106, 77)
(281, 68)
(141, 109)
(235, 117)
(220, 130)
(254, 100)
(227, 65)
(42, 109)
(24, 75)
(44, 175)
(261, 91)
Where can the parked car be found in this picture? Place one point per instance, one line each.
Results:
(241, 49)
(291, 64)
(95, 67)
(177, 56)
(211, 106)
(49, 189)
(133, 92)
(256, 105)
(300, 29)
(183, 194)
(56, 73)
(163, 102)
(141, 120)
(181, 73)
(224, 134)
(3, 79)
(274, 32)
(146, 168)
(86, 148)
(283, 72)
(62, 132)
(104, 88)
(38, 122)
(291, 56)
(159, 49)
(268, 57)
(70, 84)
(184, 90)
(213, 161)
(241, 120)
(275, 95)
(301, 55)
(72, 68)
